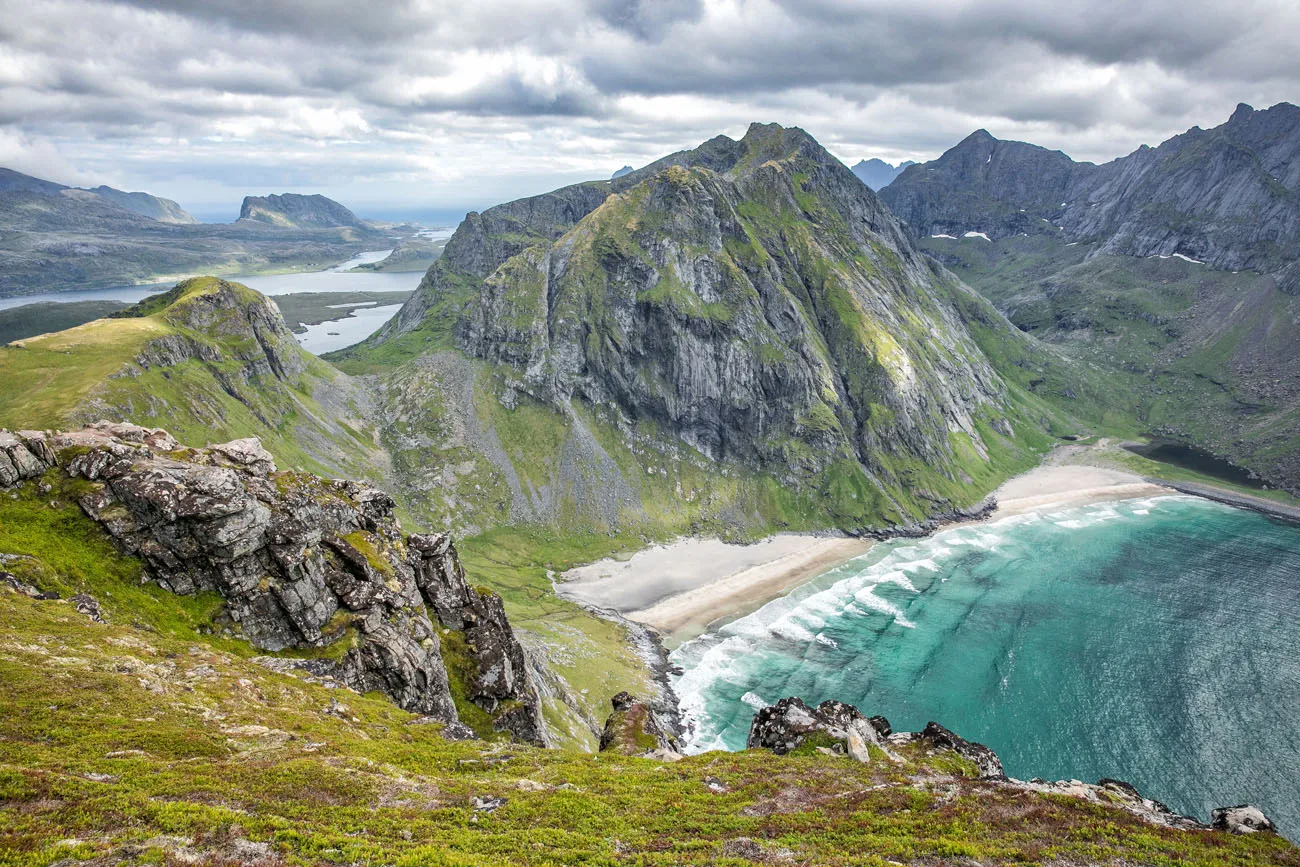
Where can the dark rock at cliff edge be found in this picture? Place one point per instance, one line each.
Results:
(837, 728)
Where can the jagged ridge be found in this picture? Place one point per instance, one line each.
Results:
(1228, 196)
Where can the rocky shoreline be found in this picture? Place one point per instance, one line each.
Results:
(840, 729)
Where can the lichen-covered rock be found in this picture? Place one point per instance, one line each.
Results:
(788, 724)
(984, 758)
(1242, 819)
(302, 562)
(633, 729)
(500, 682)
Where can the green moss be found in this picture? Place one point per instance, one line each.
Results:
(368, 545)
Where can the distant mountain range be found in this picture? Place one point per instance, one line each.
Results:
(1174, 271)
(55, 237)
(878, 174)
(626, 170)
(153, 207)
(1227, 196)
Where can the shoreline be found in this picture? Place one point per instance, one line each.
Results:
(682, 589)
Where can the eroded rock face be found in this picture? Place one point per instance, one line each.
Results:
(499, 681)
(302, 562)
(633, 729)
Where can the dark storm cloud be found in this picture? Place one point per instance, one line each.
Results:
(438, 95)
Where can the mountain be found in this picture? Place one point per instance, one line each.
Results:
(16, 182)
(1173, 270)
(153, 207)
(1228, 196)
(296, 211)
(54, 238)
(877, 173)
(626, 170)
(736, 335)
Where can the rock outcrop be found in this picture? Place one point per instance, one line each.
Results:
(1242, 819)
(633, 729)
(303, 563)
(840, 728)
(498, 677)
(790, 724)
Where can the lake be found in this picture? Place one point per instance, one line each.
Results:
(318, 339)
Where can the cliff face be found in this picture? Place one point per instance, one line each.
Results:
(1228, 196)
(750, 300)
(298, 211)
(302, 563)
(771, 312)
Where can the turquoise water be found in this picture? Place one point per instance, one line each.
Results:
(1154, 641)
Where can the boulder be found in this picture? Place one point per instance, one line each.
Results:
(1242, 819)
(790, 723)
(633, 729)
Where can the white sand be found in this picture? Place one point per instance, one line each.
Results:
(681, 588)
(1069, 485)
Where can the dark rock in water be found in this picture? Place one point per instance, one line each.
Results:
(302, 562)
(1242, 819)
(633, 729)
(985, 759)
(788, 724)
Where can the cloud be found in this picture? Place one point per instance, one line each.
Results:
(465, 103)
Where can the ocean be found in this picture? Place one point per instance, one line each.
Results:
(1153, 641)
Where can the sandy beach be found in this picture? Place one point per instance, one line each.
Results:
(680, 589)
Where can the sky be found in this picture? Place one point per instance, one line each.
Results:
(418, 106)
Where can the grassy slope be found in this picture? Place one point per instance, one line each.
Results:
(47, 316)
(148, 741)
(56, 380)
(1207, 355)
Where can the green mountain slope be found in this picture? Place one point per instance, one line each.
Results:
(736, 337)
(211, 361)
(1189, 353)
